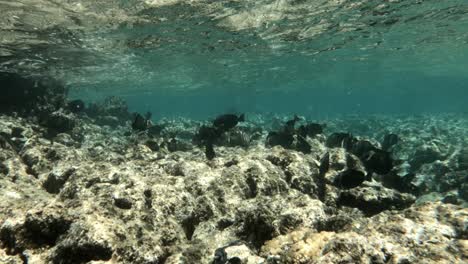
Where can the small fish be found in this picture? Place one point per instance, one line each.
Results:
(362, 147)
(139, 123)
(172, 145)
(280, 138)
(148, 115)
(340, 140)
(76, 106)
(207, 134)
(389, 141)
(378, 161)
(221, 256)
(311, 129)
(228, 121)
(209, 151)
(303, 146)
(289, 127)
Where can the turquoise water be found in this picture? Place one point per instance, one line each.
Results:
(201, 58)
(123, 137)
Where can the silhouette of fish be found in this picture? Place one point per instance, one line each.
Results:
(389, 141)
(207, 134)
(340, 140)
(280, 138)
(310, 129)
(76, 106)
(289, 127)
(139, 123)
(209, 151)
(379, 161)
(228, 121)
(303, 146)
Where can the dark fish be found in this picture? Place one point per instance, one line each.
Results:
(155, 130)
(303, 146)
(362, 147)
(221, 256)
(340, 140)
(280, 138)
(209, 151)
(324, 164)
(148, 115)
(389, 141)
(378, 161)
(289, 127)
(139, 123)
(228, 121)
(350, 178)
(76, 106)
(152, 144)
(310, 129)
(172, 145)
(207, 134)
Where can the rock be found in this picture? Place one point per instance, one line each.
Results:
(79, 247)
(235, 253)
(424, 155)
(372, 198)
(463, 191)
(463, 159)
(451, 198)
(11, 259)
(398, 237)
(126, 203)
(122, 203)
(257, 226)
(152, 144)
(44, 228)
(40, 228)
(28, 95)
(65, 139)
(342, 169)
(54, 182)
(60, 122)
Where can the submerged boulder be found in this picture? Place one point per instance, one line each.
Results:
(372, 198)
(25, 95)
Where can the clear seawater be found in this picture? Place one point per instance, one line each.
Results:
(200, 58)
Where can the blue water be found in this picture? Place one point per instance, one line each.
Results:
(198, 59)
(396, 94)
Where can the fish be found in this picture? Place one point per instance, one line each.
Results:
(310, 129)
(378, 161)
(228, 121)
(303, 146)
(289, 127)
(172, 145)
(221, 256)
(76, 106)
(139, 123)
(389, 141)
(362, 147)
(281, 138)
(148, 115)
(340, 140)
(209, 151)
(207, 134)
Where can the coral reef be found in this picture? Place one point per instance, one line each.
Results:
(92, 193)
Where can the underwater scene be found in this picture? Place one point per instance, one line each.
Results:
(234, 131)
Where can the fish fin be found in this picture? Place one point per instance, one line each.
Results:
(242, 118)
